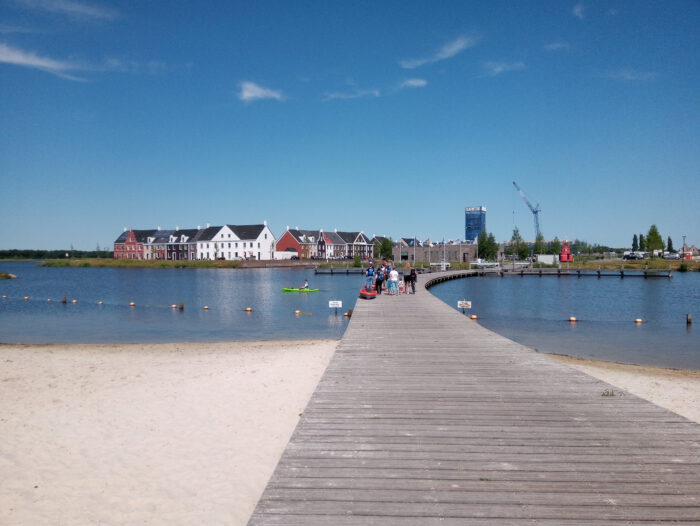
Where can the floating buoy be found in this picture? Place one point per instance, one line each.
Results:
(572, 318)
(26, 298)
(473, 317)
(132, 304)
(100, 302)
(638, 320)
(297, 312)
(346, 314)
(74, 301)
(173, 306)
(249, 309)
(4, 297)
(206, 307)
(48, 299)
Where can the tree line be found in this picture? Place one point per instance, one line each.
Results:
(54, 254)
(652, 241)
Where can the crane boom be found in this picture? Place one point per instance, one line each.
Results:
(534, 209)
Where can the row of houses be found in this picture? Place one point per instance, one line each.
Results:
(236, 242)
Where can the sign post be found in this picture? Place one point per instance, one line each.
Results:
(335, 304)
(464, 304)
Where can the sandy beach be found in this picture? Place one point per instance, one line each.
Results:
(147, 434)
(181, 433)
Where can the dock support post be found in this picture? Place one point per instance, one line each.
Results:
(688, 319)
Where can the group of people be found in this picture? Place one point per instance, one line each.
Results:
(387, 275)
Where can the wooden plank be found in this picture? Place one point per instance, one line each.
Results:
(425, 417)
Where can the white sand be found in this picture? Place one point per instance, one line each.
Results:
(147, 434)
(673, 389)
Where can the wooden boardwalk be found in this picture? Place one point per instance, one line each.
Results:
(423, 417)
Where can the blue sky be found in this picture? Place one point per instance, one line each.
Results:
(383, 116)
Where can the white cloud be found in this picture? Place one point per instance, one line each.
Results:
(66, 69)
(449, 50)
(579, 11)
(29, 59)
(71, 8)
(556, 46)
(630, 75)
(250, 91)
(496, 68)
(414, 83)
(355, 94)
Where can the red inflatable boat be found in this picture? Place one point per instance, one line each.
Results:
(368, 294)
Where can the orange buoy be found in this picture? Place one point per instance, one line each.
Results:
(173, 306)
(132, 304)
(297, 312)
(248, 309)
(572, 318)
(48, 299)
(74, 301)
(473, 317)
(100, 302)
(206, 307)
(638, 320)
(26, 298)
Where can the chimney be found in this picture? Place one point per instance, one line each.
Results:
(198, 228)
(158, 228)
(208, 225)
(177, 229)
(124, 229)
(265, 222)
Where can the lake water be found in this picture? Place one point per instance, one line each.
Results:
(535, 310)
(227, 293)
(530, 310)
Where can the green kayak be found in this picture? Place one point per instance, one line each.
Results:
(285, 289)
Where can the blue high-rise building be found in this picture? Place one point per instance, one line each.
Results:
(474, 223)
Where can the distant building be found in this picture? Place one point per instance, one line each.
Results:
(474, 223)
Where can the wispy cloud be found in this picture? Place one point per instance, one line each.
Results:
(354, 94)
(449, 50)
(630, 75)
(29, 59)
(413, 83)
(250, 91)
(579, 11)
(68, 69)
(8, 30)
(494, 69)
(71, 8)
(556, 46)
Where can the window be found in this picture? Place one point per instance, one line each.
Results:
(258, 245)
(229, 246)
(265, 236)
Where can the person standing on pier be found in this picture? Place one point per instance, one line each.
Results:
(379, 280)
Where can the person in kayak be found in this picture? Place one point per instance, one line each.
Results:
(306, 284)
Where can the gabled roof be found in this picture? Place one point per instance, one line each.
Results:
(247, 231)
(333, 238)
(162, 236)
(305, 236)
(141, 235)
(353, 237)
(207, 234)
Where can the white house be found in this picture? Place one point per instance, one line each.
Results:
(233, 242)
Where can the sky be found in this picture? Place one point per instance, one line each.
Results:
(387, 117)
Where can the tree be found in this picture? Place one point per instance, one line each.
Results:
(669, 245)
(654, 240)
(518, 248)
(635, 243)
(487, 246)
(539, 247)
(555, 246)
(642, 243)
(383, 248)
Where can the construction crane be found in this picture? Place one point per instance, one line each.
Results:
(534, 209)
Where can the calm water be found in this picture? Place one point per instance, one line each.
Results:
(533, 311)
(530, 310)
(227, 292)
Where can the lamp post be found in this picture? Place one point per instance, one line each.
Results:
(683, 253)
